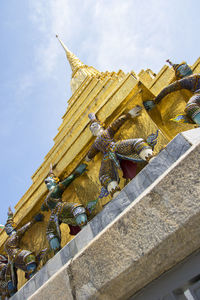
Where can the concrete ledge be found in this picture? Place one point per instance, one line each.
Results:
(192, 136)
(57, 287)
(98, 271)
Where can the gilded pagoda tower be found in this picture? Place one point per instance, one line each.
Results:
(108, 95)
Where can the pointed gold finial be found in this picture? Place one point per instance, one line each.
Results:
(73, 60)
(79, 70)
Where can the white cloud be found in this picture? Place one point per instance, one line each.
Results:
(110, 34)
(51, 18)
(131, 33)
(24, 84)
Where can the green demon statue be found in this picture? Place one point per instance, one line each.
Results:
(73, 214)
(23, 259)
(135, 150)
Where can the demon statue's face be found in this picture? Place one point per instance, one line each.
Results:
(51, 181)
(10, 228)
(183, 71)
(96, 128)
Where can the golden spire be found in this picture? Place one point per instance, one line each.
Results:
(79, 70)
(74, 61)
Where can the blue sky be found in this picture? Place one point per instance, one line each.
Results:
(35, 75)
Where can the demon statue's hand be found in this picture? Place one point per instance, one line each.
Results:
(149, 104)
(80, 169)
(38, 218)
(135, 111)
(55, 244)
(44, 207)
(87, 159)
